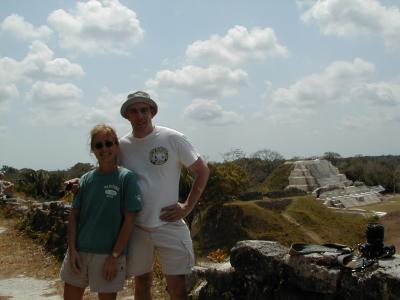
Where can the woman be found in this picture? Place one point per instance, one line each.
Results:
(100, 222)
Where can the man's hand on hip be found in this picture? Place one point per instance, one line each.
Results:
(174, 212)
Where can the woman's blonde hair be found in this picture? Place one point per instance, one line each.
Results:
(102, 128)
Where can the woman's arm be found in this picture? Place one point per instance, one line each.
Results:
(74, 260)
(110, 265)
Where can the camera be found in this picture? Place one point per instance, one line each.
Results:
(374, 247)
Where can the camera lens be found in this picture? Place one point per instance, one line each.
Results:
(375, 234)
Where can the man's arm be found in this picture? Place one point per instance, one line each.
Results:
(72, 185)
(8, 186)
(180, 210)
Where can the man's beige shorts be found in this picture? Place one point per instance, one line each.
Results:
(174, 247)
(91, 273)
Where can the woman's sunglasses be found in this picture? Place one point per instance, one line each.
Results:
(100, 145)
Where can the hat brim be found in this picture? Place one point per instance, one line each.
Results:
(131, 101)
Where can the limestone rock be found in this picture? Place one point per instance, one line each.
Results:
(265, 270)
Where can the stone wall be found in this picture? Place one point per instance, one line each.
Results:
(265, 270)
(256, 269)
(45, 222)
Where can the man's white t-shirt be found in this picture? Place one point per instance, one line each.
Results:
(157, 160)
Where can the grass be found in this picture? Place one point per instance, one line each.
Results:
(391, 204)
(264, 221)
(330, 226)
(391, 221)
(289, 220)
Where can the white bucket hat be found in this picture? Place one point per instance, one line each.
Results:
(138, 96)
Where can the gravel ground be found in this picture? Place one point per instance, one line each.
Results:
(29, 272)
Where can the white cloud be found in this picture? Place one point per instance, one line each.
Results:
(38, 64)
(97, 27)
(61, 105)
(355, 122)
(332, 85)
(62, 67)
(7, 92)
(3, 131)
(54, 96)
(10, 71)
(356, 17)
(238, 46)
(55, 104)
(211, 113)
(380, 94)
(344, 85)
(106, 109)
(16, 26)
(288, 115)
(216, 81)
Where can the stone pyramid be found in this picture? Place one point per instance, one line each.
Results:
(323, 179)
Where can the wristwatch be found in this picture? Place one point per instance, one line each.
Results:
(115, 254)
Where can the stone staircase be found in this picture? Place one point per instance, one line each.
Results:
(307, 175)
(323, 179)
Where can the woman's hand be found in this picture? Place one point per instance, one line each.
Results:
(110, 268)
(75, 261)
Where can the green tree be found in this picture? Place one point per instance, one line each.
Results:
(270, 158)
(226, 179)
(234, 154)
(333, 157)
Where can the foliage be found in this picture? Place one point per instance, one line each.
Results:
(373, 170)
(279, 178)
(262, 171)
(47, 224)
(233, 154)
(226, 179)
(217, 256)
(42, 184)
(271, 158)
(78, 170)
(333, 157)
(185, 183)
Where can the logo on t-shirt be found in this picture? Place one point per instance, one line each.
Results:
(158, 156)
(111, 190)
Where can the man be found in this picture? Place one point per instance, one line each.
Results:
(156, 154)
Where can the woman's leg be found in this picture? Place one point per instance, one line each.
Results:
(73, 292)
(107, 296)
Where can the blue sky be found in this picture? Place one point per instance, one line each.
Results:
(298, 77)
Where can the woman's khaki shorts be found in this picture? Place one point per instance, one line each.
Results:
(174, 248)
(91, 273)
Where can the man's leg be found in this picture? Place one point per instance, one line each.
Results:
(176, 256)
(176, 286)
(143, 286)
